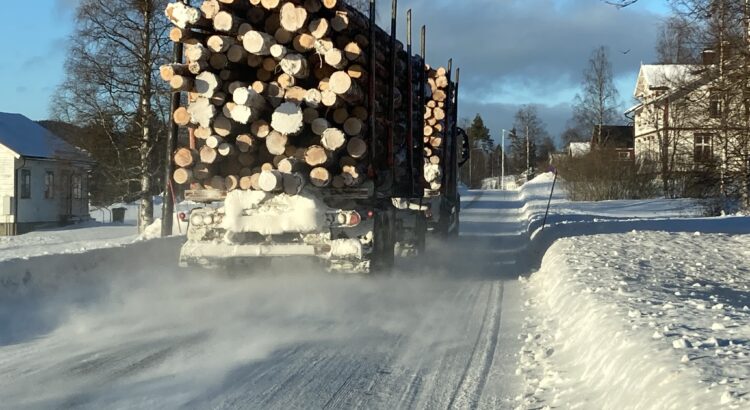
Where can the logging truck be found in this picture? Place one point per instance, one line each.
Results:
(310, 132)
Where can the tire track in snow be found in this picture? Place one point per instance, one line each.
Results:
(477, 370)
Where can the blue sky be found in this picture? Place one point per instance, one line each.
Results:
(512, 52)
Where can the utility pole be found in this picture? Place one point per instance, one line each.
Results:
(502, 167)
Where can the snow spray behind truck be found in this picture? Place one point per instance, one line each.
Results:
(308, 132)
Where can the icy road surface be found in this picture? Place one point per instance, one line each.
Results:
(125, 328)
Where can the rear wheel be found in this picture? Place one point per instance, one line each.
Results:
(384, 242)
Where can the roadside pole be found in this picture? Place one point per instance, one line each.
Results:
(502, 166)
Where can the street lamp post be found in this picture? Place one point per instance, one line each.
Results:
(502, 162)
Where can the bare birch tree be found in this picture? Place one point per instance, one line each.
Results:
(597, 103)
(111, 68)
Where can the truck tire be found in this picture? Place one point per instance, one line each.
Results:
(384, 243)
(421, 234)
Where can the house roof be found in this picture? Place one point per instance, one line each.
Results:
(667, 75)
(28, 139)
(615, 136)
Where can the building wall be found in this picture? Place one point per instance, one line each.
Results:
(7, 166)
(63, 206)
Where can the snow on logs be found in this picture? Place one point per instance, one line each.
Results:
(276, 94)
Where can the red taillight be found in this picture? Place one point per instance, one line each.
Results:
(182, 216)
(428, 214)
(370, 214)
(354, 219)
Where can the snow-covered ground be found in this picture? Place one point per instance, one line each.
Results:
(640, 320)
(123, 327)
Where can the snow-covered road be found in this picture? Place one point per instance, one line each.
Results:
(124, 328)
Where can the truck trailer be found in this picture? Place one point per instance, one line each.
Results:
(306, 134)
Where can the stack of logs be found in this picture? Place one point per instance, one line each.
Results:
(277, 94)
(435, 126)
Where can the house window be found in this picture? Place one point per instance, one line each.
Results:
(702, 148)
(77, 187)
(49, 185)
(714, 107)
(25, 183)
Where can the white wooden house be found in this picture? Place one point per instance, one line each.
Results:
(43, 179)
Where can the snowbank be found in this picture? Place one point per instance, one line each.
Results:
(640, 320)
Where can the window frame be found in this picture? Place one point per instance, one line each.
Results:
(705, 146)
(24, 183)
(76, 181)
(49, 184)
(715, 107)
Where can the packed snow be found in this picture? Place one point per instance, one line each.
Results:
(655, 318)
(640, 320)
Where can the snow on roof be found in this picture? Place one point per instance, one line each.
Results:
(29, 139)
(668, 75)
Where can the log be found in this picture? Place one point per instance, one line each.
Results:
(320, 177)
(181, 116)
(312, 6)
(361, 113)
(290, 165)
(319, 126)
(214, 141)
(304, 43)
(333, 139)
(288, 119)
(340, 116)
(222, 126)
(218, 61)
(182, 83)
(338, 182)
(276, 143)
(183, 16)
(232, 182)
(218, 183)
(295, 65)
(270, 4)
(278, 51)
(293, 183)
(319, 28)
(246, 183)
(354, 53)
(330, 99)
(246, 143)
(258, 43)
(206, 84)
(202, 172)
(282, 36)
(357, 148)
(237, 54)
(210, 8)
(271, 181)
(313, 98)
(183, 176)
(295, 95)
(309, 115)
(353, 126)
(315, 156)
(202, 112)
(227, 22)
(225, 149)
(203, 132)
(292, 18)
(340, 21)
(168, 71)
(246, 159)
(220, 44)
(208, 155)
(345, 87)
(357, 72)
(260, 129)
(335, 58)
(197, 52)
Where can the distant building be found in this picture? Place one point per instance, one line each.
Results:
(43, 179)
(619, 138)
(579, 149)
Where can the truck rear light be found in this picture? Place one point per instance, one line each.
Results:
(370, 214)
(428, 214)
(354, 219)
(182, 216)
